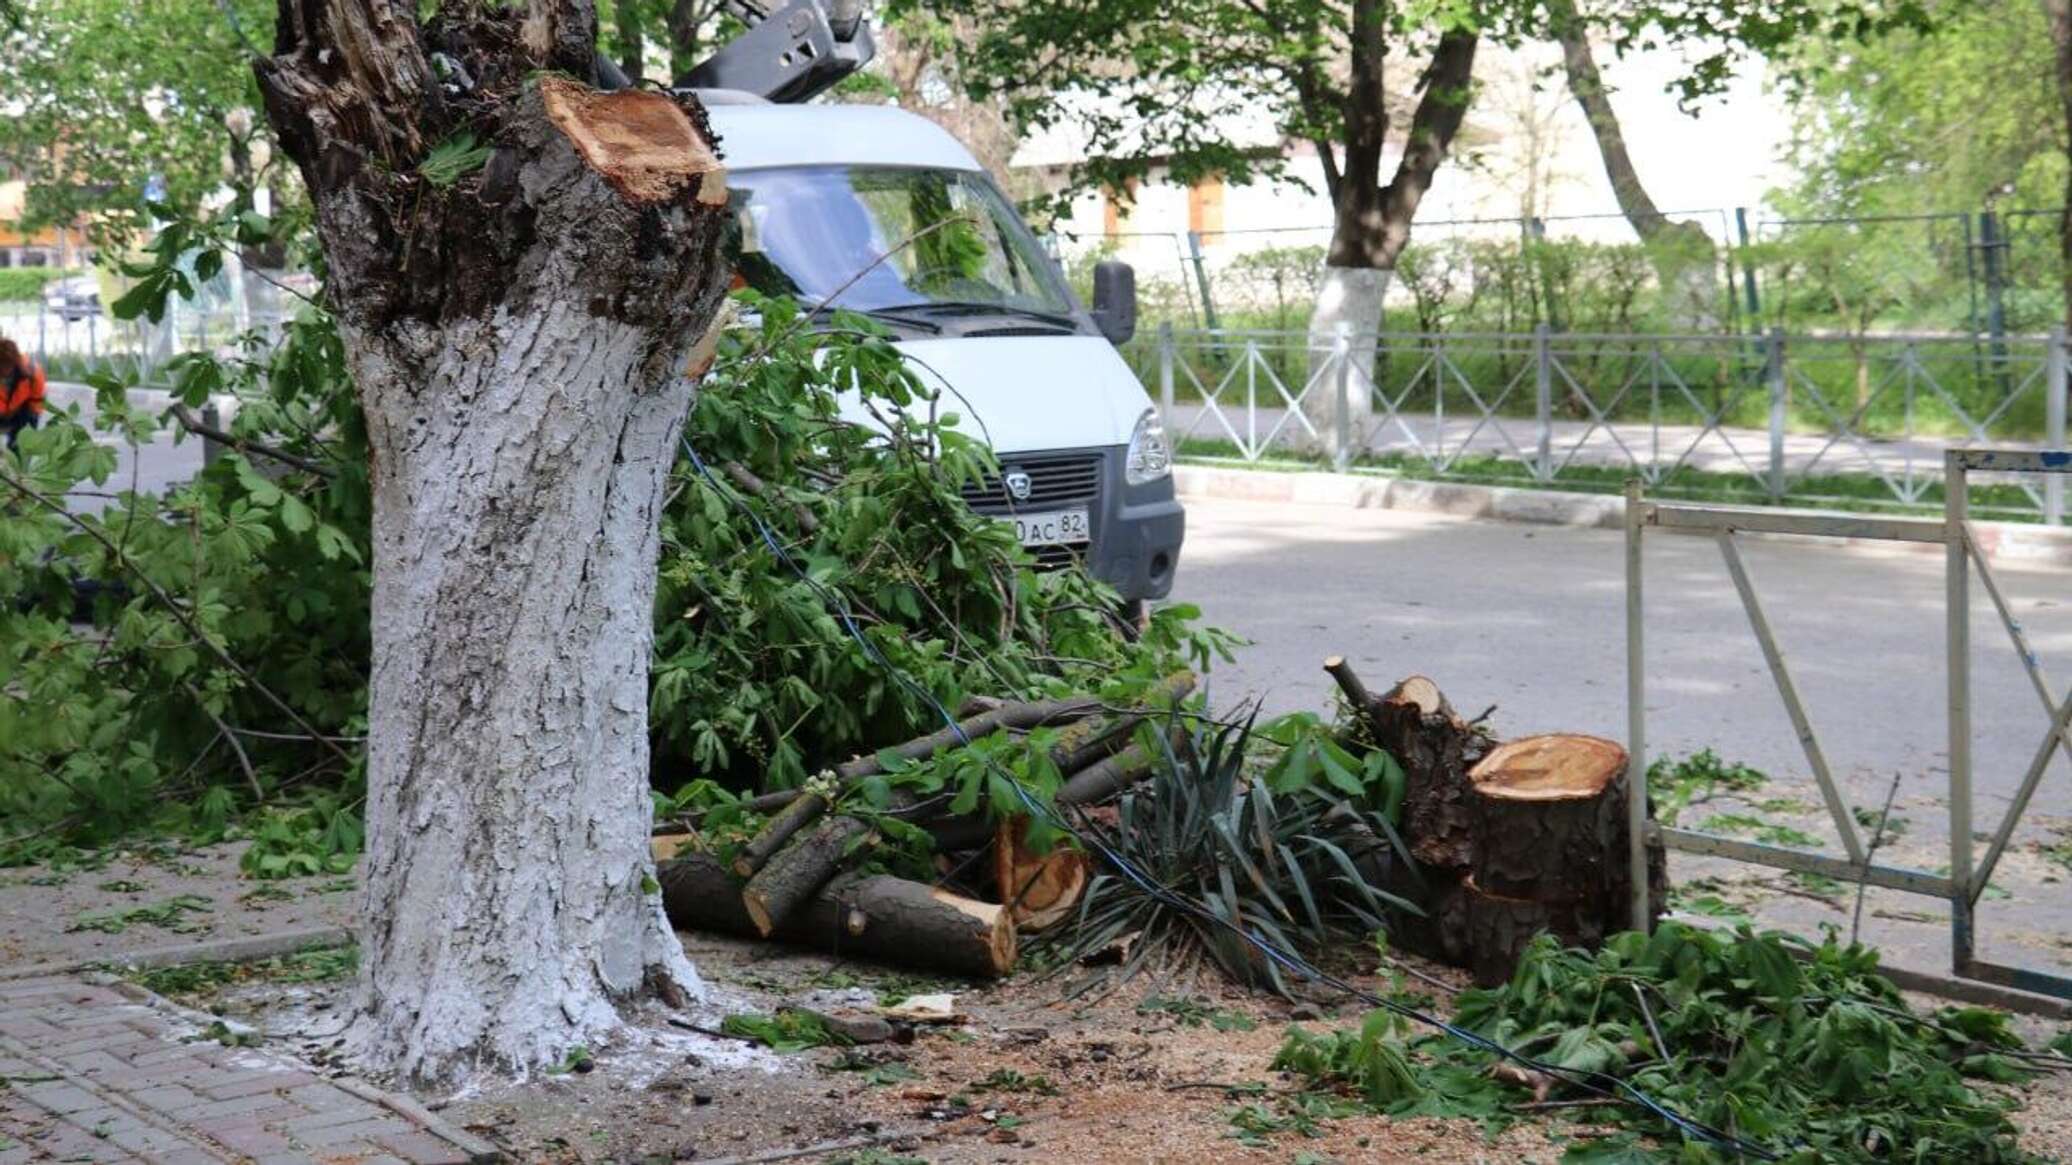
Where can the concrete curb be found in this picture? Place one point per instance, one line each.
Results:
(2021, 541)
(226, 950)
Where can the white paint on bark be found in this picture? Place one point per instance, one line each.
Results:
(1348, 298)
(516, 487)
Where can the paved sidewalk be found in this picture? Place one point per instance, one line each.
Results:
(105, 1072)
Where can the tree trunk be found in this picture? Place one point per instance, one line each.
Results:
(905, 924)
(1683, 255)
(524, 339)
(1372, 222)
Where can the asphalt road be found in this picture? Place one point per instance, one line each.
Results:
(1532, 620)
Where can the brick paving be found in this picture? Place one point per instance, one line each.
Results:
(101, 1072)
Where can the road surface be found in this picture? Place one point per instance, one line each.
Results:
(1531, 619)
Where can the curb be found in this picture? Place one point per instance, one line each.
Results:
(2050, 545)
(225, 950)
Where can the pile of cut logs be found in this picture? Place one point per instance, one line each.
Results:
(789, 882)
(1507, 839)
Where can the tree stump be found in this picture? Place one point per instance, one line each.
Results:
(1549, 817)
(1436, 748)
(1496, 928)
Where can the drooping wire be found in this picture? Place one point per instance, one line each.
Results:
(1599, 1083)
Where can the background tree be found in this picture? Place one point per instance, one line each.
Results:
(520, 268)
(101, 105)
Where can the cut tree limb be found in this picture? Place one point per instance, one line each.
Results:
(1039, 890)
(878, 917)
(1498, 928)
(756, 852)
(796, 872)
(1107, 777)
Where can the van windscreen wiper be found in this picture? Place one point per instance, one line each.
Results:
(892, 314)
(963, 307)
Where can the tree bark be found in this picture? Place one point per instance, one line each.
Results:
(1436, 748)
(525, 341)
(756, 852)
(1549, 811)
(1371, 223)
(1683, 255)
(1498, 929)
(889, 919)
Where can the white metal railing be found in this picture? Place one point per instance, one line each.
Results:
(1854, 422)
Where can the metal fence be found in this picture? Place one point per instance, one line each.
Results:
(1858, 422)
(1966, 880)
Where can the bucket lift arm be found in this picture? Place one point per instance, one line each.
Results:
(790, 54)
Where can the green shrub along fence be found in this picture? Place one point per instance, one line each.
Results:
(24, 284)
(1988, 274)
(1787, 416)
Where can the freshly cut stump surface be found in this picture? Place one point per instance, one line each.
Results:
(1549, 818)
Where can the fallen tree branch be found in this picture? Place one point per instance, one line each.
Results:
(207, 432)
(173, 607)
(244, 762)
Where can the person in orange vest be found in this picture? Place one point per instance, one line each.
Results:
(21, 392)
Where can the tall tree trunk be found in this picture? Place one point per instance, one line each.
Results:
(525, 343)
(2059, 13)
(1683, 255)
(1372, 221)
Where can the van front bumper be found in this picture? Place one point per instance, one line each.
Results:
(1136, 544)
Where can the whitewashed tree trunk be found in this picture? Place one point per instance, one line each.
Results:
(525, 335)
(509, 899)
(1349, 301)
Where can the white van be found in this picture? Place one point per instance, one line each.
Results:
(883, 213)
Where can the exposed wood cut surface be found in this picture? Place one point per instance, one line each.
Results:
(640, 141)
(1555, 767)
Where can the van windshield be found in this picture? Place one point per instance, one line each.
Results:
(945, 237)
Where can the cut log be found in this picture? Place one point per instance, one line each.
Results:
(1498, 927)
(795, 873)
(756, 853)
(1550, 816)
(892, 920)
(1029, 714)
(1039, 890)
(1107, 777)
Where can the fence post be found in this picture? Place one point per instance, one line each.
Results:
(2054, 389)
(213, 418)
(1342, 405)
(1780, 403)
(1165, 370)
(1543, 401)
(1201, 279)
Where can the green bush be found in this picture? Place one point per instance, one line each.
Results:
(26, 283)
(242, 599)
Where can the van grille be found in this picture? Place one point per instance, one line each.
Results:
(1055, 480)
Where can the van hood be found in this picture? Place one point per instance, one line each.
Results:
(1026, 394)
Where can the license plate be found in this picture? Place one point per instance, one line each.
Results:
(1056, 528)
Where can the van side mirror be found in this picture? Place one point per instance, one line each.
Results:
(1115, 300)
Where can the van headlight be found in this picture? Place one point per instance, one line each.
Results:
(1150, 453)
